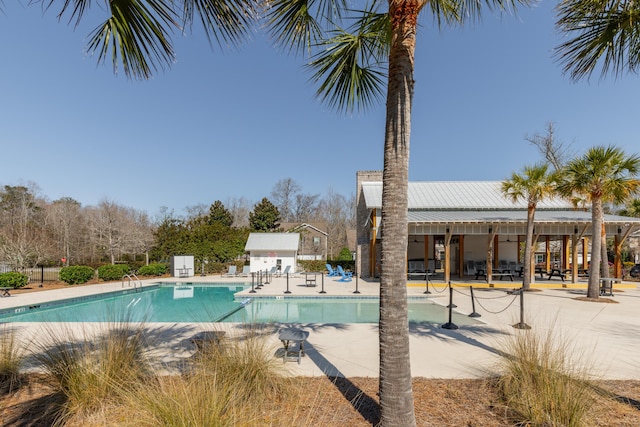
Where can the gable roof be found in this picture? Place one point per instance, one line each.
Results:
(297, 226)
(272, 242)
(457, 195)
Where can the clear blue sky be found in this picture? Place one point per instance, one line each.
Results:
(219, 125)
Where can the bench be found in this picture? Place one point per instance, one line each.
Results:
(606, 285)
(5, 291)
(292, 336)
(558, 272)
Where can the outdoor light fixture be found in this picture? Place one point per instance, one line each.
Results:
(619, 230)
(490, 229)
(575, 230)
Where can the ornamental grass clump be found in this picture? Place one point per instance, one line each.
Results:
(542, 383)
(92, 371)
(234, 383)
(11, 359)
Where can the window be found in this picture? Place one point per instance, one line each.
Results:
(316, 241)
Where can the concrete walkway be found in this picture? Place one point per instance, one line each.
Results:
(603, 336)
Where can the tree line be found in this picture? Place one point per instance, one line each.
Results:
(37, 232)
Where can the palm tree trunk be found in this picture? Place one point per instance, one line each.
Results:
(604, 264)
(597, 214)
(396, 393)
(526, 271)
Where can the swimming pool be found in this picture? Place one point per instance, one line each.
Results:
(191, 303)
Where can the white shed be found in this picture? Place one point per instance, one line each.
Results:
(268, 250)
(182, 266)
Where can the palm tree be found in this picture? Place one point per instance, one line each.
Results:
(533, 185)
(603, 174)
(632, 209)
(350, 68)
(602, 30)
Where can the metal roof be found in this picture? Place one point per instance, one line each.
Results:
(520, 217)
(456, 195)
(272, 242)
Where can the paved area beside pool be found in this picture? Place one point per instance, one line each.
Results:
(606, 336)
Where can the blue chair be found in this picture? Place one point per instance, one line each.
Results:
(331, 271)
(346, 275)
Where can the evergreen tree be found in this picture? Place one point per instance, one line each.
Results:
(219, 214)
(264, 217)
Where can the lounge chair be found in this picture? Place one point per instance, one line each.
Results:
(331, 271)
(246, 271)
(285, 271)
(232, 271)
(345, 275)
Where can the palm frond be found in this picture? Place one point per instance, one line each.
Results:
(136, 34)
(600, 30)
(351, 67)
(225, 21)
(293, 25)
(77, 9)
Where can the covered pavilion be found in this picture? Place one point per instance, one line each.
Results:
(456, 225)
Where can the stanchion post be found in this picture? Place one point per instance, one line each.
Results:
(451, 304)
(287, 291)
(521, 324)
(259, 279)
(473, 305)
(450, 324)
(322, 281)
(426, 276)
(253, 277)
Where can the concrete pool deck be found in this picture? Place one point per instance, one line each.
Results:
(606, 335)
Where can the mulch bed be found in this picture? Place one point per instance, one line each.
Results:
(338, 402)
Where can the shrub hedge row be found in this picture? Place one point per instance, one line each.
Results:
(76, 274)
(155, 269)
(13, 279)
(112, 272)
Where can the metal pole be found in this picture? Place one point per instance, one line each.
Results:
(322, 280)
(252, 291)
(521, 324)
(287, 291)
(266, 277)
(41, 276)
(473, 305)
(450, 324)
(426, 275)
(259, 279)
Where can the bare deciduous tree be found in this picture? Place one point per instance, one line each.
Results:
(553, 151)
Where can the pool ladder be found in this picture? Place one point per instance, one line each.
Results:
(132, 279)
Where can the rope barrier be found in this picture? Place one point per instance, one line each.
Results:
(499, 311)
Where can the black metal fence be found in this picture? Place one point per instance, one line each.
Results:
(36, 274)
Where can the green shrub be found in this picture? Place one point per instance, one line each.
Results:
(112, 272)
(76, 274)
(155, 269)
(13, 279)
(312, 265)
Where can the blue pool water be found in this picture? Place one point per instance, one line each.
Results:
(216, 302)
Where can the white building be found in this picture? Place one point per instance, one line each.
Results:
(268, 250)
